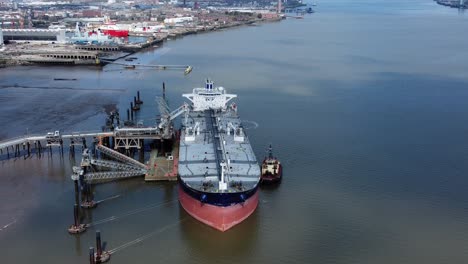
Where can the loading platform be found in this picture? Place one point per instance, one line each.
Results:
(165, 167)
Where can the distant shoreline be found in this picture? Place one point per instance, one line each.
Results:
(48, 56)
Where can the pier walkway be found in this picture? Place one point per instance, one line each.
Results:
(127, 137)
(50, 138)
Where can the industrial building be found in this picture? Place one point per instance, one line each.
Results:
(48, 35)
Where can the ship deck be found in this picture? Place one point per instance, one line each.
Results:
(208, 139)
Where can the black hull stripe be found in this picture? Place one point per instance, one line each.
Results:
(218, 199)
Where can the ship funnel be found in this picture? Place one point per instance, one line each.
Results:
(209, 85)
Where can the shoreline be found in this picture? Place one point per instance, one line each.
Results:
(101, 55)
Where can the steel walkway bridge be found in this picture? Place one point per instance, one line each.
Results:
(122, 167)
(127, 137)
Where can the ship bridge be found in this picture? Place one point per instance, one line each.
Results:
(209, 97)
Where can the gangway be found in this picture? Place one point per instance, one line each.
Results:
(114, 165)
(33, 138)
(187, 68)
(112, 175)
(121, 157)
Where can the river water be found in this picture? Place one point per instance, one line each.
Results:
(364, 102)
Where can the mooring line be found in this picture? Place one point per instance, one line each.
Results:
(112, 218)
(144, 237)
(108, 198)
(7, 225)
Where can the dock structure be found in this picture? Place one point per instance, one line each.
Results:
(163, 168)
(116, 148)
(126, 137)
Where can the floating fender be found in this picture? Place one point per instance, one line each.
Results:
(203, 198)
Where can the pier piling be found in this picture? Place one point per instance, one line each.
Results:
(139, 101)
(91, 256)
(100, 256)
(88, 197)
(77, 192)
(98, 243)
(84, 142)
(77, 227)
(117, 118)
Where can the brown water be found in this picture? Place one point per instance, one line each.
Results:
(364, 101)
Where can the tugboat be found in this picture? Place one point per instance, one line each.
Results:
(272, 169)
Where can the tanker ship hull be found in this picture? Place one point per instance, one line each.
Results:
(219, 217)
(218, 171)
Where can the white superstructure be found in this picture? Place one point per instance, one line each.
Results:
(209, 97)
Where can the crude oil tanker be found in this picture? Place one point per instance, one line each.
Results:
(218, 172)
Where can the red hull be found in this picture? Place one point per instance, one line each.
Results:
(115, 32)
(221, 218)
